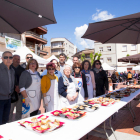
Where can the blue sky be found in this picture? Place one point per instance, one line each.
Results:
(73, 16)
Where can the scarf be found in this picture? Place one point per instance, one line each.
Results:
(66, 81)
(52, 77)
(98, 70)
(86, 71)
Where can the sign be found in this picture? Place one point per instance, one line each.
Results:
(12, 43)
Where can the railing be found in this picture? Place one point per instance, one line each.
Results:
(44, 27)
(36, 35)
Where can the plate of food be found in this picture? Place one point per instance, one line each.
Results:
(43, 124)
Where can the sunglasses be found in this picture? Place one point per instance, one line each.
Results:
(32, 63)
(98, 64)
(51, 68)
(29, 57)
(77, 67)
(6, 57)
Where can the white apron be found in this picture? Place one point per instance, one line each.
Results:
(34, 92)
(52, 96)
(89, 86)
(81, 95)
(71, 91)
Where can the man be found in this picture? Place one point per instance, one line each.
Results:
(7, 77)
(28, 57)
(62, 59)
(75, 59)
(18, 104)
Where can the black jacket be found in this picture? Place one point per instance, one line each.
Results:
(23, 65)
(113, 78)
(84, 82)
(101, 81)
(18, 72)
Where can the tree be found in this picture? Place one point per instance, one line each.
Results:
(97, 56)
(127, 55)
(83, 57)
(91, 58)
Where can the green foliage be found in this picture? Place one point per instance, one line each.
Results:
(91, 57)
(83, 57)
(128, 55)
(97, 56)
(67, 57)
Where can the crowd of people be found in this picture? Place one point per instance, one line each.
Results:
(59, 85)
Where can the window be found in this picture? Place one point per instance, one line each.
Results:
(124, 48)
(109, 59)
(100, 49)
(102, 60)
(87, 56)
(133, 47)
(109, 48)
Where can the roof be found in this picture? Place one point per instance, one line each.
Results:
(80, 52)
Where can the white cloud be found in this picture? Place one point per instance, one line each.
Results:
(102, 15)
(79, 32)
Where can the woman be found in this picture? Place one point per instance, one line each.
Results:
(86, 66)
(57, 69)
(49, 88)
(81, 80)
(100, 78)
(30, 86)
(67, 88)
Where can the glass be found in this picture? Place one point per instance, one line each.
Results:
(77, 67)
(51, 69)
(29, 57)
(32, 63)
(6, 57)
(98, 64)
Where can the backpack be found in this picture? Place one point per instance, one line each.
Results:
(129, 75)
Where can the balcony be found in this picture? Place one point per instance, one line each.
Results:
(33, 37)
(57, 47)
(55, 53)
(42, 29)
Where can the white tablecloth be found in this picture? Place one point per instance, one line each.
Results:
(72, 130)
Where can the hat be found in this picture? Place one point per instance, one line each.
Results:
(50, 64)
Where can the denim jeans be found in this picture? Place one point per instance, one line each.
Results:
(5, 106)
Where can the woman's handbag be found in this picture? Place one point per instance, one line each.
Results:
(14, 97)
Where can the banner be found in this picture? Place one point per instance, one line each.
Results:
(12, 43)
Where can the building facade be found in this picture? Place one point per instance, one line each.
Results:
(62, 45)
(86, 52)
(112, 52)
(29, 39)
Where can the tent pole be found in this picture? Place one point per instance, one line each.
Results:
(36, 49)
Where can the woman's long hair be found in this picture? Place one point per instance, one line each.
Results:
(93, 66)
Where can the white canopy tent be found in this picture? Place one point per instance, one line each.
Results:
(23, 51)
(69, 62)
(107, 67)
(136, 68)
(52, 57)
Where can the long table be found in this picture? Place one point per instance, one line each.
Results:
(72, 130)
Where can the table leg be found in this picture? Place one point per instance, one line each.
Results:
(105, 131)
(132, 111)
(112, 128)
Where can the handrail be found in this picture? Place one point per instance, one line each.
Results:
(36, 35)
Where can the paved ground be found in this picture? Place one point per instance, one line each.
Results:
(122, 124)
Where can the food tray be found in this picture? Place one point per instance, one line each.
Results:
(41, 123)
(67, 116)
